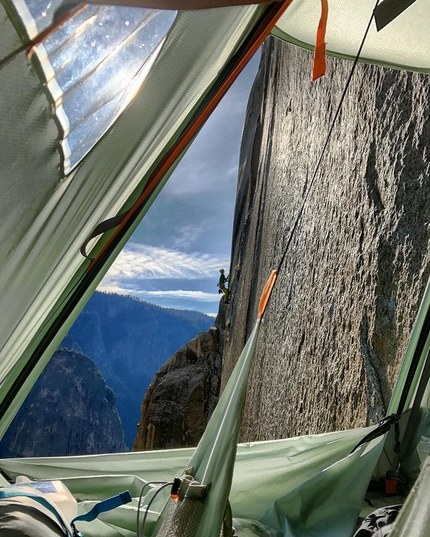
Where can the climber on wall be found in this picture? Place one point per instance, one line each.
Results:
(223, 279)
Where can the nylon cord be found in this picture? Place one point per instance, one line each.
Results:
(139, 503)
(163, 485)
(323, 151)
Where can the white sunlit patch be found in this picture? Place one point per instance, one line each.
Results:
(94, 65)
(27, 17)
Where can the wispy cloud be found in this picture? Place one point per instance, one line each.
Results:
(141, 261)
(149, 296)
(187, 236)
(166, 277)
(195, 295)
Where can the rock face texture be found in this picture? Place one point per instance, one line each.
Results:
(341, 313)
(354, 248)
(70, 411)
(182, 396)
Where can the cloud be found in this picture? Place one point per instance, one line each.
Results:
(194, 211)
(211, 163)
(149, 296)
(187, 236)
(195, 295)
(166, 277)
(141, 261)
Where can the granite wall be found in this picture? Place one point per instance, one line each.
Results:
(342, 310)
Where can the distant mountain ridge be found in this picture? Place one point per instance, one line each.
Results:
(129, 340)
(90, 393)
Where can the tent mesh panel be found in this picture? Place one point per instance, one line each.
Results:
(182, 518)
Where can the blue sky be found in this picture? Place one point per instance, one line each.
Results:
(174, 255)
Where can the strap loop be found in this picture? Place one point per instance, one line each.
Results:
(103, 506)
(319, 66)
(265, 295)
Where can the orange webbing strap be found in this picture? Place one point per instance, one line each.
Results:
(320, 45)
(262, 31)
(267, 291)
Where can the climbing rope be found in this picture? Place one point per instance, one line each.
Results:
(328, 138)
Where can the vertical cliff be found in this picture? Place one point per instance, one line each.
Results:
(69, 411)
(339, 320)
(342, 310)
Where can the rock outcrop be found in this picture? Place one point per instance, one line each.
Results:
(341, 313)
(69, 411)
(129, 340)
(182, 396)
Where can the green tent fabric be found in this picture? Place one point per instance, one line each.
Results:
(416, 355)
(402, 44)
(46, 216)
(414, 517)
(304, 487)
(264, 473)
(213, 461)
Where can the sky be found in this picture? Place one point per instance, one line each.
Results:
(174, 256)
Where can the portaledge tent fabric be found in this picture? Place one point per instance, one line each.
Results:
(403, 44)
(46, 216)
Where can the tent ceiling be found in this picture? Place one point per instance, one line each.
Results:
(95, 65)
(402, 44)
(49, 216)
